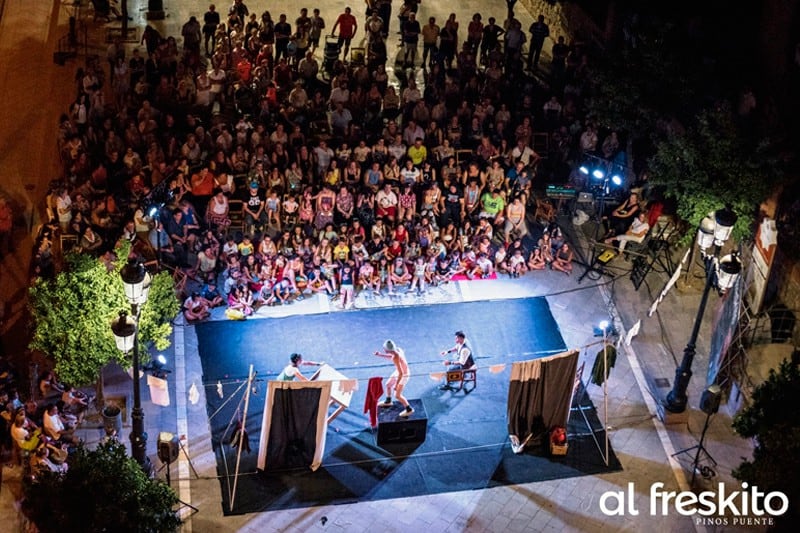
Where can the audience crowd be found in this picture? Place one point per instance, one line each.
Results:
(266, 159)
(39, 432)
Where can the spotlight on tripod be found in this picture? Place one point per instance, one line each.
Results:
(709, 404)
(169, 446)
(156, 367)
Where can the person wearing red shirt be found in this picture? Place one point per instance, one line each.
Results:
(203, 182)
(347, 25)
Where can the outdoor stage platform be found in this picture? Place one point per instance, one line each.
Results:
(466, 446)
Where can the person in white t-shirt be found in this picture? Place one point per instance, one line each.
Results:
(636, 232)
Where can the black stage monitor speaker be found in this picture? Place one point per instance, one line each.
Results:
(168, 447)
(394, 429)
(709, 401)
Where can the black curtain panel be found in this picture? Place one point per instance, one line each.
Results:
(539, 397)
(295, 421)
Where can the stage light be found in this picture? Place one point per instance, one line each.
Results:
(584, 170)
(603, 328)
(616, 179)
(598, 174)
(156, 367)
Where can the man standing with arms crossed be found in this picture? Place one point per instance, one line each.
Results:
(398, 379)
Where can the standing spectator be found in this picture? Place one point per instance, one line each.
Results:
(303, 23)
(210, 23)
(348, 25)
(411, 31)
(317, 24)
(238, 11)
(150, 38)
(475, 32)
(191, 33)
(510, 4)
(283, 34)
(374, 26)
(64, 208)
(539, 32)
(430, 36)
(491, 38)
(560, 53)
(515, 38)
(384, 8)
(448, 38)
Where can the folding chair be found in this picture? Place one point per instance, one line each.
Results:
(457, 380)
(236, 215)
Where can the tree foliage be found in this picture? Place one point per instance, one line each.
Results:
(772, 421)
(103, 490)
(637, 89)
(712, 165)
(72, 316)
(669, 95)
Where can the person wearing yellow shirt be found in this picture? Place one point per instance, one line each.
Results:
(341, 252)
(417, 152)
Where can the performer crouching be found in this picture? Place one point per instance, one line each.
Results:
(398, 379)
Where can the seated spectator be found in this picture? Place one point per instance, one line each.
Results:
(49, 458)
(90, 241)
(562, 261)
(368, 278)
(75, 402)
(211, 294)
(516, 264)
(623, 215)
(636, 232)
(217, 212)
(25, 433)
(56, 426)
(482, 267)
(241, 299)
(492, 206)
(536, 261)
(196, 308)
(418, 277)
(399, 274)
(49, 385)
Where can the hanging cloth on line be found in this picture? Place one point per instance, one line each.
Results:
(598, 374)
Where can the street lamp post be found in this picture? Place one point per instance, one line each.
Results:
(136, 280)
(720, 273)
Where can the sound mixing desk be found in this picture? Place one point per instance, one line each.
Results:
(561, 192)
